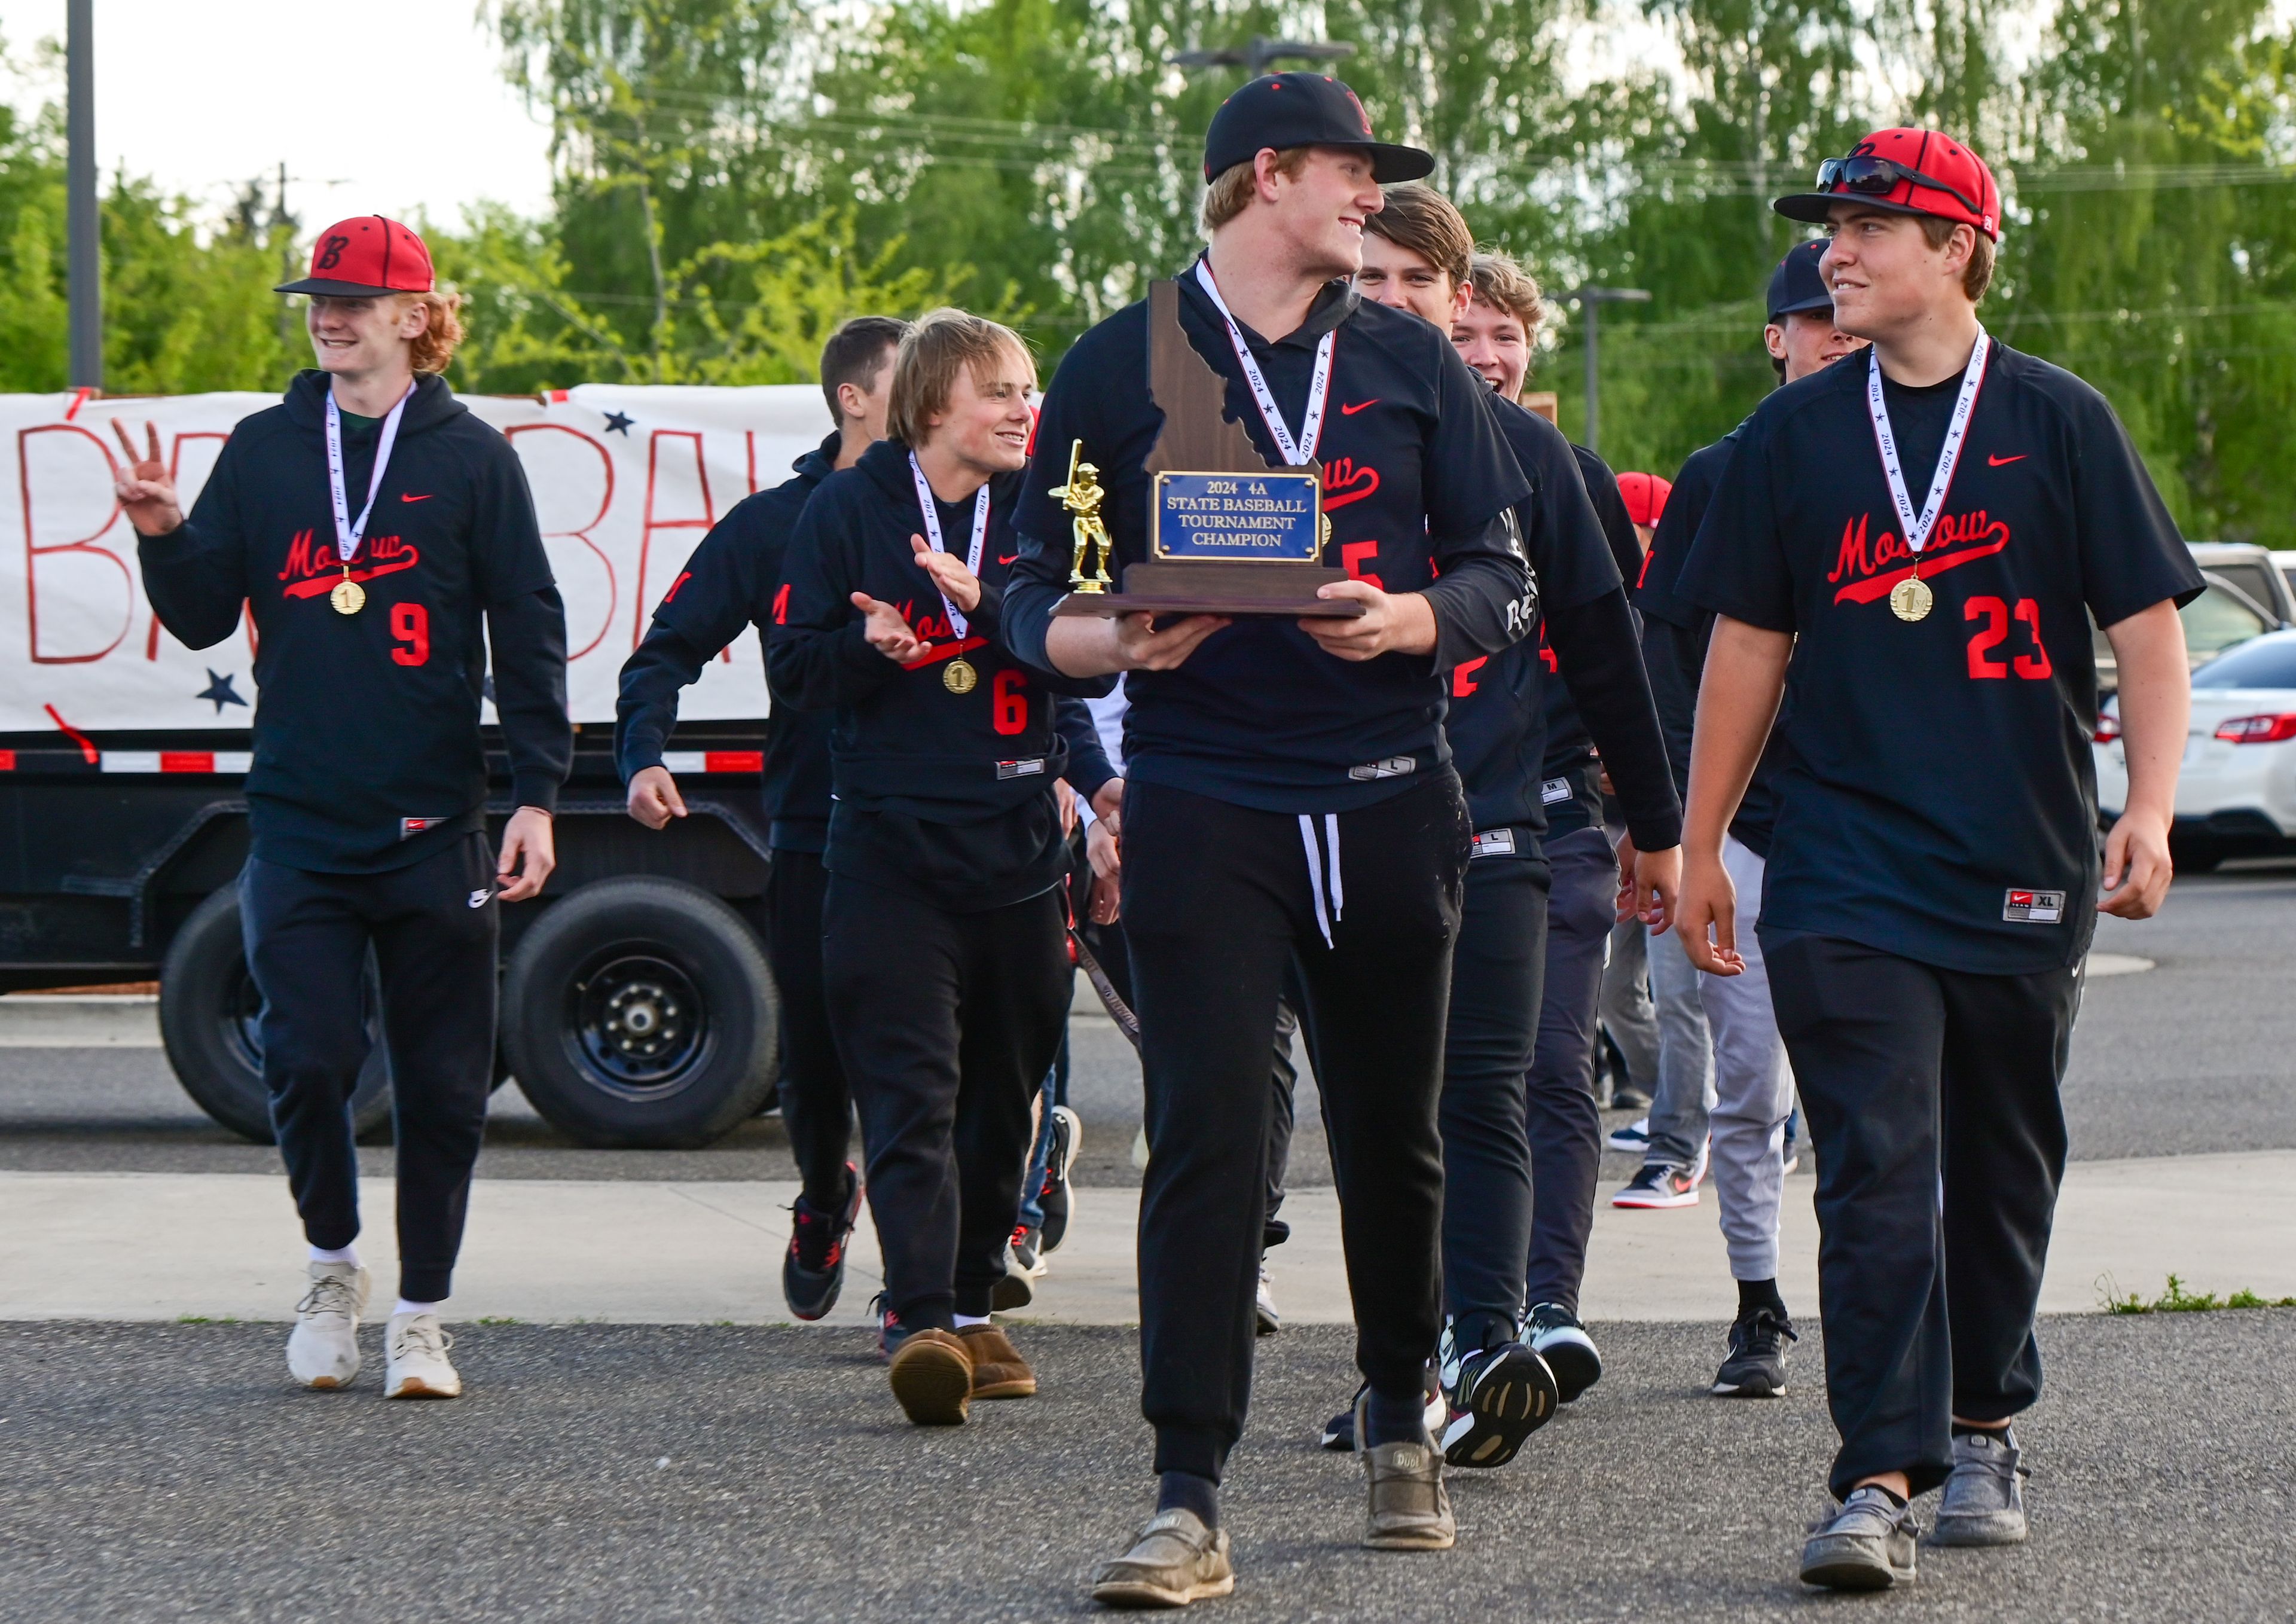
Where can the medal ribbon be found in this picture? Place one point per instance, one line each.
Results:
(932, 533)
(1917, 526)
(1319, 386)
(348, 536)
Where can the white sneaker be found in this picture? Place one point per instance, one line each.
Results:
(418, 1367)
(1264, 1305)
(322, 1352)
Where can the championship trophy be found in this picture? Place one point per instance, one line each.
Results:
(1228, 533)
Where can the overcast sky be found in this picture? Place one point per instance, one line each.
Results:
(201, 94)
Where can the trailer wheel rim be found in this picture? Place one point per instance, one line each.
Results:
(640, 1024)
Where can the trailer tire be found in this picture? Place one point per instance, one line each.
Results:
(208, 1010)
(639, 1013)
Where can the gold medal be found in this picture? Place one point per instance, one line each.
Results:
(1911, 599)
(348, 597)
(958, 676)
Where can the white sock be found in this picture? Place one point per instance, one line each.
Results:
(406, 1306)
(340, 1254)
(963, 1320)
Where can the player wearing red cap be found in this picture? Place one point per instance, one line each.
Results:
(1926, 533)
(376, 627)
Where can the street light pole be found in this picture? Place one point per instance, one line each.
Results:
(1590, 301)
(83, 224)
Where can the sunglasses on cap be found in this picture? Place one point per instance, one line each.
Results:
(1879, 177)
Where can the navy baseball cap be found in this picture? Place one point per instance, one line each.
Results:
(1797, 283)
(1302, 109)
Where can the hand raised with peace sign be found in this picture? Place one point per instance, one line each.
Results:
(145, 489)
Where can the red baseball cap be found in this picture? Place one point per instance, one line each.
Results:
(1904, 171)
(365, 257)
(1645, 494)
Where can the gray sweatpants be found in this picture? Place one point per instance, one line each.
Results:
(1625, 1006)
(1686, 1058)
(1753, 1086)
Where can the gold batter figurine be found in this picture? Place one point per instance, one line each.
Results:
(1081, 496)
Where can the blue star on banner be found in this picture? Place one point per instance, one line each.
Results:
(220, 690)
(616, 424)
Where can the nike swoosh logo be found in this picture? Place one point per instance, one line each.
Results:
(2002, 462)
(1006, 558)
(1349, 411)
(403, 497)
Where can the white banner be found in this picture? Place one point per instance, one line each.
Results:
(627, 480)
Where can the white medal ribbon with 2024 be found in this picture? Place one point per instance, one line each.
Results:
(1319, 385)
(348, 535)
(932, 533)
(1918, 526)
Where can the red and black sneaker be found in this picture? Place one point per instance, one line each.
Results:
(812, 1269)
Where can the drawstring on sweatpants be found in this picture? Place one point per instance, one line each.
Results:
(1316, 861)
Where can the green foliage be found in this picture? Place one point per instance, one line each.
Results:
(2177, 1300)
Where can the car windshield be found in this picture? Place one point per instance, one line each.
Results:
(2269, 663)
(2216, 620)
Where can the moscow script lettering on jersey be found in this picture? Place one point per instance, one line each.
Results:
(1865, 570)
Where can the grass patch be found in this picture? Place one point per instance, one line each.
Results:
(206, 1319)
(495, 1319)
(2177, 1300)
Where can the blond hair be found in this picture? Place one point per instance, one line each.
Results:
(1232, 189)
(924, 368)
(1502, 283)
(434, 346)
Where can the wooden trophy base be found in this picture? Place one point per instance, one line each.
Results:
(1233, 590)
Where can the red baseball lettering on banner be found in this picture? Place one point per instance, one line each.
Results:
(1009, 708)
(1462, 675)
(410, 624)
(35, 550)
(1352, 554)
(652, 524)
(581, 532)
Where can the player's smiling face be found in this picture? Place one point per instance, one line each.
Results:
(1322, 207)
(357, 336)
(1402, 278)
(1494, 342)
(1884, 275)
(986, 424)
(1808, 340)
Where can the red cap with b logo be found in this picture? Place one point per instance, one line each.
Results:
(1904, 171)
(366, 256)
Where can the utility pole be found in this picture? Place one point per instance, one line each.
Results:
(1590, 301)
(84, 225)
(1261, 54)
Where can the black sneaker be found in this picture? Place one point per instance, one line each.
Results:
(1499, 1396)
(1018, 1288)
(1757, 1366)
(1068, 1138)
(1556, 1335)
(1029, 1250)
(812, 1269)
(890, 1331)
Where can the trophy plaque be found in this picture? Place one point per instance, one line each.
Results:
(1228, 533)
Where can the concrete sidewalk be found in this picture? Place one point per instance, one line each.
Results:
(166, 1246)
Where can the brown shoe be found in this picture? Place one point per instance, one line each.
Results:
(999, 1370)
(1410, 1510)
(1175, 1560)
(931, 1377)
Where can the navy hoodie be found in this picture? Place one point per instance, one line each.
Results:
(947, 794)
(367, 751)
(733, 581)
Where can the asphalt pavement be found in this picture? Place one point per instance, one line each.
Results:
(695, 1473)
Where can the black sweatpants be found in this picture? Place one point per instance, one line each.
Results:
(817, 1108)
(1918, 1081)
(1566, 1128)
(1495, 970)
(1216, 904)
(433, 927)
(946, 1023)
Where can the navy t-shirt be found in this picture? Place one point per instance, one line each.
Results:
(1675, 634)
(1938, 800)
(1415, 477)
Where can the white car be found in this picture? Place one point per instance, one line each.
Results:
(2236, 794)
